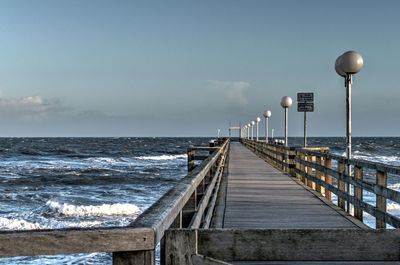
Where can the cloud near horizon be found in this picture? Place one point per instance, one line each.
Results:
(234, 91)
(30, 106)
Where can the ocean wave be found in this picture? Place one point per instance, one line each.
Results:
(391, 160)
(395, 186)
(93, 210)
(105, 160)
(18, 224)
(394, 208)
(385, 159)
(162, 157)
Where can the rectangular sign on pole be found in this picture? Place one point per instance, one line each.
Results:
(305, 102)
(305, 97)
(305, 107)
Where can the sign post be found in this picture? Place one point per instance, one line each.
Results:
(305, 103)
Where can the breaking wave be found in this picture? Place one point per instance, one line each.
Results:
(18, 224)
(93, 210)
(163, 157)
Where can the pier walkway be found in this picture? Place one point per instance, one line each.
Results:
(260, 196)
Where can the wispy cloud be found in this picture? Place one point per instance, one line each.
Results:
(30, 107)
(234, 91)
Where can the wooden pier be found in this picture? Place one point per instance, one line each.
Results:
(247, 203)
(260, 196)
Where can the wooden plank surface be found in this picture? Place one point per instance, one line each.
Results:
(260, 196)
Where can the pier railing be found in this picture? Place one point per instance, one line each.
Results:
(190, 204)
(329, 174)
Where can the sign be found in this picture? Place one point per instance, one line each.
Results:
(305, 97)
(305, 107)
(305, 102)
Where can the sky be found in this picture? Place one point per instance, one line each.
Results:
(187, 68)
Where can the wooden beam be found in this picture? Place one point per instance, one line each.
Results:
(341, 185)
(67, 241)
(180, 245)
(300, 244)
(328, 178)
(358, 193)
(381, 180)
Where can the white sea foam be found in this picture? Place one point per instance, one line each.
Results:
(93, 210)
(395, 186)
(17, 224)
(162, 157)
(107, 160)
(393, 207)
(391, 160)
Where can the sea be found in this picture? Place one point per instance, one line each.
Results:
(48, 183)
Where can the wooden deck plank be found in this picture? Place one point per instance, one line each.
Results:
(260, 196)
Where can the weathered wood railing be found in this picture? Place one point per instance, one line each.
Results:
(190, 204)
(326, 173)
(295, 246)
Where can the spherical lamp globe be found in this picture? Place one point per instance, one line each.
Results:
(351, 62)
(267, 114)
(286, 102)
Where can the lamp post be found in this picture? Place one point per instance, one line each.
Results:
(346, 65)
(286, 102)
(257, 122)
(252, 129)
(266, 115)
(248, 131)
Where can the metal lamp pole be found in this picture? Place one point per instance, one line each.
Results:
(257, 122)
(252, 129)
(266, 115)
(286, 102)
(248, 131)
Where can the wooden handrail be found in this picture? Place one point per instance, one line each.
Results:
(163, 213)
(74, 240)
(314, 168)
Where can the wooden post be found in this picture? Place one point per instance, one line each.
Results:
(292, 162)
(309, 171)
(190, 157)
(297, 154)
(303, 168)
(328, 178)
(381, 180)
(341, 185)
(133, 258)
(180, 245)
(318, 174)
(358, 193)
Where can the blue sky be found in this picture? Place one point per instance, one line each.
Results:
(186, 68)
